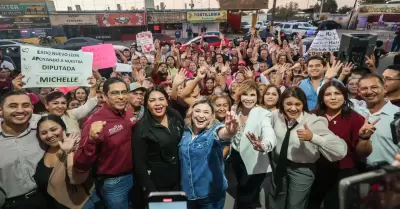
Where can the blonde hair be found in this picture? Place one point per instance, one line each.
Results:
(245, 87)
(201, 100)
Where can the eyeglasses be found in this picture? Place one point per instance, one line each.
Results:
(385, 78)
(117, 93)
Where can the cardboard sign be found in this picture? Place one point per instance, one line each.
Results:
(125, 68)
(46, 67)
(325, 41)
(103, 55)
(145, 40)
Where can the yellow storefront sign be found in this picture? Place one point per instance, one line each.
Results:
(207, 16)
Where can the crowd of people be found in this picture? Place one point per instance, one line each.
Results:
(296, 123)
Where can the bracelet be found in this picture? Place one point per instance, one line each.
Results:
(363, 138)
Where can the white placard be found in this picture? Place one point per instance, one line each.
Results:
(45, 67)
(145, 40)
(125, 68)
(325, 41)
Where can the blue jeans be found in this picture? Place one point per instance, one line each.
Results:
(90, 204)
(211, 202)
(115, 192)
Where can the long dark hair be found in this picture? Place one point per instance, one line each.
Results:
(346, 108)
(54, 118)
(295, 92)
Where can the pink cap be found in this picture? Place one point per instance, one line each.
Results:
(34, 98)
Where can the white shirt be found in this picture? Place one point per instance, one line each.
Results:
(383, 148)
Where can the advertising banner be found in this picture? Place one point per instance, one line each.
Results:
(207, 16)
(121, 19)
(166, 17)
(243, 4)
(380, 8)
(73, 20)
(17, 9)
(46, 67)
(18, 23)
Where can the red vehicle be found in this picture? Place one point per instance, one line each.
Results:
(212, 40)
(163, 38)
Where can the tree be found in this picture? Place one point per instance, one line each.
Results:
(329, 6)
(344, 9)
(287, 11)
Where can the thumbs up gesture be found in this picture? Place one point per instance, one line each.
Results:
(305, 134)
(95, 129)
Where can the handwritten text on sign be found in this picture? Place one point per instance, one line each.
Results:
(325, 41)
(103, 55)
(145, 40)
(45, 67)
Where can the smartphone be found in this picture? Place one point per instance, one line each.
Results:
(379, 189)
(395, 128)
(167, 200)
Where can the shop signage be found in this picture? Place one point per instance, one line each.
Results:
(380, 8)
(243, 4)
(73, 20)
(18, 23)
(121, 19)
(17, 9)
(166, 17)
(207, 16)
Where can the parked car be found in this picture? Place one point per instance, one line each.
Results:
(245, 27)
(212, 40)
(291, 29)
(11, 52)
(77, 43)
(328, 25)
(10, 42)
(163, 38)
(213, 33)
(261, 25)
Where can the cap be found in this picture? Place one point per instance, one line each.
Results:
(241, 62)
(7, 65)
(136, 86)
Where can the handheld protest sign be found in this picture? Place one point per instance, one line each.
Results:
(46, 67)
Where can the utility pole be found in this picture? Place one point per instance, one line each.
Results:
(352, 12)
(320, 8)
(271, 26)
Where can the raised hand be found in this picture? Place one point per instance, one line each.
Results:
(231, 122)
(248, 72)
(255, 141)
(367, 129)
(17, 82)
(180, 77)
(370, 61)
(346, 70)
(69, 142)
(92, 82)
(304, 134)
(95, 129)
(333, 70)
(201, 72)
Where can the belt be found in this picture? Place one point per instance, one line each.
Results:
(21, 197)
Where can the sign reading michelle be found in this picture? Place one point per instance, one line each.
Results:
(45, 67)
(207, 16)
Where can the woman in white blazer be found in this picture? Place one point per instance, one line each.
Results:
(250, 146)
(301, 138)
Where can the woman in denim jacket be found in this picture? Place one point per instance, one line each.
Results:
(201, 155)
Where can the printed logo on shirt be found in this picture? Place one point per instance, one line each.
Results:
(132, 119)
(115, 129)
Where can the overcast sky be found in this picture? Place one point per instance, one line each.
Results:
(171, 4)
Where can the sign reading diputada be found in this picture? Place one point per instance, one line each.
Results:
(17, 9)
(207, 16)
(45, 67)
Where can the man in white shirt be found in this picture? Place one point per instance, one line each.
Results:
(371, 89)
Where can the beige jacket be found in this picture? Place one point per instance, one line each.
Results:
(69, 187)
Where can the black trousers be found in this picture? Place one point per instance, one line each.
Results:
(326, 186)
(36, 201)
(248, 186)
